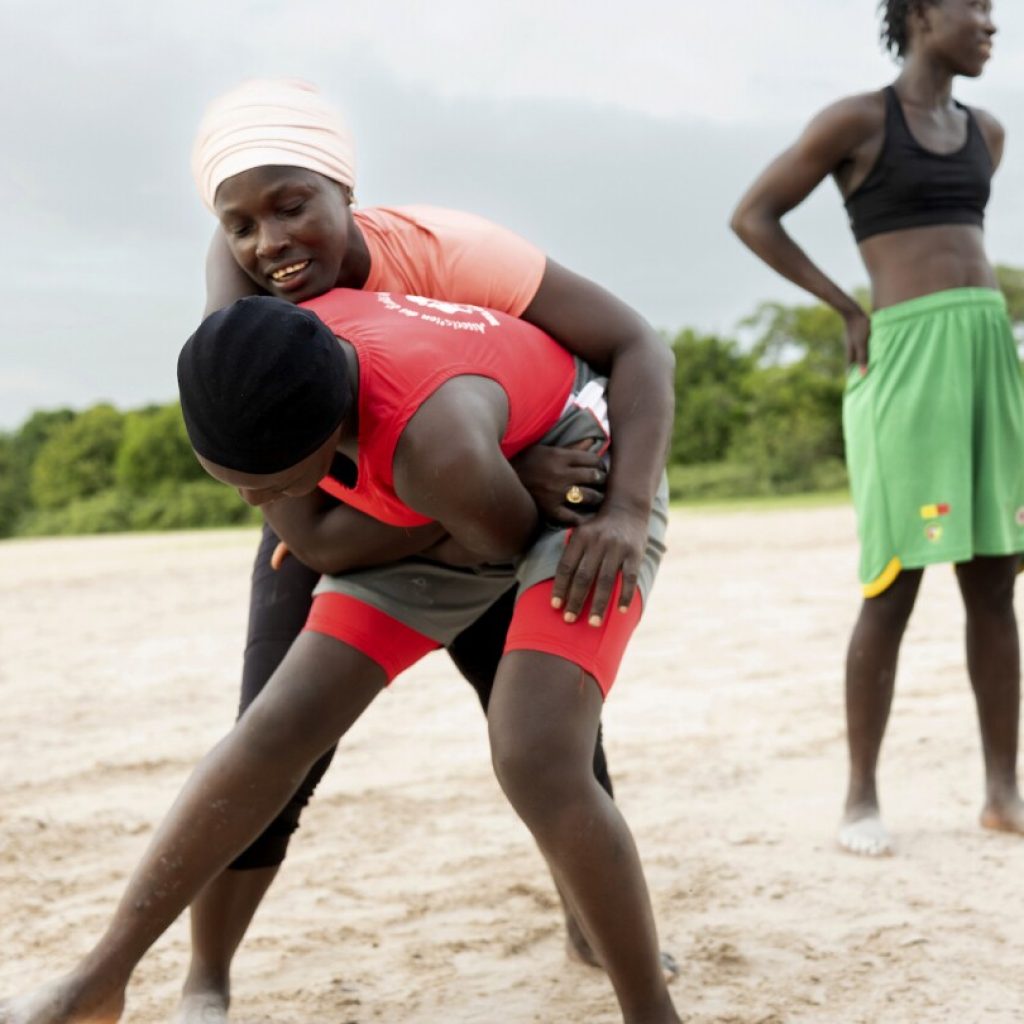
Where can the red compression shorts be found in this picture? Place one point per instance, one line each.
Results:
(390, 643)
(598, 650)
(536, 626)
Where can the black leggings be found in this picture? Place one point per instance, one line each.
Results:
(278, 606)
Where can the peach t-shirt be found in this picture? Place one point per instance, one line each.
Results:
(449, 255)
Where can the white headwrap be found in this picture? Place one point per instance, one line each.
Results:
(268, 121)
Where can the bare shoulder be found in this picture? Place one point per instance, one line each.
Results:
(843, 134)
(464, 414)
(992, 132)
(987, 120)
(854, 117)
(451, 440)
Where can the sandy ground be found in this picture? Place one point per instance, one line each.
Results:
(414, 895)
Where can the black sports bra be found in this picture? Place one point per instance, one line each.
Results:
(910, 186)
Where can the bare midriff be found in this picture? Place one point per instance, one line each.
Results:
(912, 262)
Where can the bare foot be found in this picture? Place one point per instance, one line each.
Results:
(865, 836)
(61, 1002)
(210, 1007)
(1004, 815)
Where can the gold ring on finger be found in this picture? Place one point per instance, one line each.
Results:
(574, 495)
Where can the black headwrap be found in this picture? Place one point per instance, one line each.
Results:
(263, 384)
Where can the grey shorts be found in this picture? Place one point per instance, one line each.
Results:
(440, 601)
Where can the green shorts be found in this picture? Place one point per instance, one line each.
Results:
(935, 435)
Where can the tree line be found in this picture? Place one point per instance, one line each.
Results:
(757, 413)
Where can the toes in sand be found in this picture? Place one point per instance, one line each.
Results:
(866, 837)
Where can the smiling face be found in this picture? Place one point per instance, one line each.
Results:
(289, 229)
(959, 32)
(263, 488)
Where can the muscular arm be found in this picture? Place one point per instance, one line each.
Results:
(337, 538)
(613, 338)
(449, 466)
(831, 144)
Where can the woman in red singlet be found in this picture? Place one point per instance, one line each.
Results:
(274, 163)
(933, 408)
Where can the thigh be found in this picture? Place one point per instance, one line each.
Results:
(987, 583)
(319, 690)
(546, 709)
(596, 650)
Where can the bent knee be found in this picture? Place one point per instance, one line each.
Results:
(537, 775)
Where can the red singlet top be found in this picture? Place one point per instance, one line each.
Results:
(408, 347)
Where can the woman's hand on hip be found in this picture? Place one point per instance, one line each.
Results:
(608, 544)
(858, 332)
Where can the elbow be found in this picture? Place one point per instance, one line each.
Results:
(656, 353)
(502, 537)
(752, 225)
(313, 557)
(663, 359)
(324, 566)
(499, 549)
(739, 222)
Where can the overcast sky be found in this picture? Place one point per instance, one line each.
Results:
(617, 136)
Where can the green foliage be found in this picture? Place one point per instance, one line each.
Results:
(20, 451)
(713, 480)
(77, 459)
(102, 471)
(792, 434)
(794, 424)
(10, 499)
(756, 416)
(105, 512)
(154, 450)
(33, 435)
(810, 334)
(709, 405)
(190, 505)
(200, 503)
(723, 480)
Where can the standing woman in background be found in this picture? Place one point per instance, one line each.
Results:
(933, 414)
